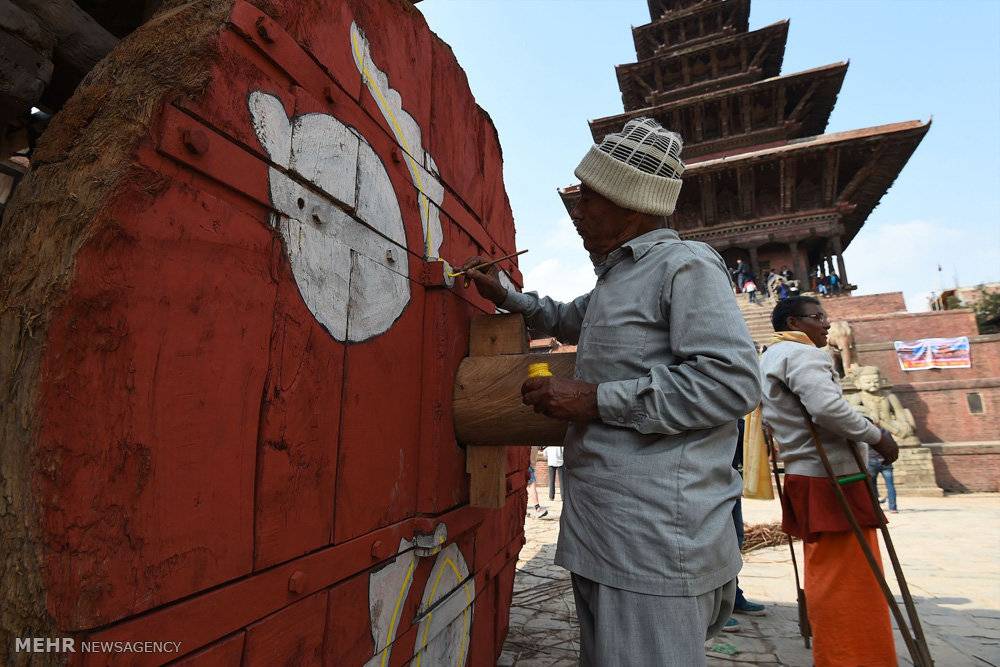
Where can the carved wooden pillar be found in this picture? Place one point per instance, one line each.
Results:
(838, 249)
(754, 264)
(707, 200)
(798, 266)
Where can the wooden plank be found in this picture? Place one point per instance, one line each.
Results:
(226, 652)
(162, 346)
(487, 468)
(199, 620)
(292, 636)
(441, 482)
(377, 465)
(490, 335)
(298, 438)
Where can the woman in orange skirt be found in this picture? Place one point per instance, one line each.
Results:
(847, 611)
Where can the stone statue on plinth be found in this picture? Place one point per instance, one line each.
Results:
(883, 407)
(868, 391)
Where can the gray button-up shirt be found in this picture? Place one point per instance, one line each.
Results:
(649, 489)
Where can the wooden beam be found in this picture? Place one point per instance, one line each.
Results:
(831, 165)
(759, 56)
(801, 106)
(708, 209)
(745, 187)
(81, 42)
(746, 109)
(862, 174)
(788, 170)
(25, 68)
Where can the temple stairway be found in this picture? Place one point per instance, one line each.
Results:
(758, 317)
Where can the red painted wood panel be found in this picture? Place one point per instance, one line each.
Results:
(505, 592)
(497, 217)
(380, 428)
(348, 637)
(292, 636)
(442, 481)
(227, 652)
(299, 433)
(401, 47)
(320, 28)
(149, 405)
(242, 70)
(203, 439)
(456, 128)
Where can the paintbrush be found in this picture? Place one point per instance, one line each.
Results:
(455, 274)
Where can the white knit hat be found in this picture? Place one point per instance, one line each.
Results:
(638, 168)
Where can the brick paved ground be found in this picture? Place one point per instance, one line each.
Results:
(950, 548)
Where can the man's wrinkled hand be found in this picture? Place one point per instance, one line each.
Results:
(487, 280)
(887, 447)
(561, 398)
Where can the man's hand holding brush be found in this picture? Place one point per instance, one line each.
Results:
(486, 279)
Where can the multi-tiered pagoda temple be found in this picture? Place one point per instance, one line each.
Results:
(763, 182)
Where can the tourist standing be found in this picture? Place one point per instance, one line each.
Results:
(538, 511)
(877, 466)
(742, 274)
(665, 366)
(554, 456)
(750, 287)
(849, 616)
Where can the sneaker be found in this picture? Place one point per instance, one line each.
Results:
(732, 625)
(749, 608)
(539, 512)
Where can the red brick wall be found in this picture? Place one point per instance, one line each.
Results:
(967, 468)
(942, 414)
(847, 307)
(778, 257)
(911, 326)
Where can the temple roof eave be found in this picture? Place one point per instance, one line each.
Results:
(741, 18)
(833, 74)
(853, 211)
(778, 27)
(916, 127)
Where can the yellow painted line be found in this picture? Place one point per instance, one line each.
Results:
(391, 637)
(465, 612)
(398, 131)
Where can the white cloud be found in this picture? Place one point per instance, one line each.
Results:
(904, 256)
(561, 269)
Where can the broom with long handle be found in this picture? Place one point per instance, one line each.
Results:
(804, 628)
(920, 655)
(904, 590)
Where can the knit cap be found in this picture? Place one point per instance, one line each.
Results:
(638, 168)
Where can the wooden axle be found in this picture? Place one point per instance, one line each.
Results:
(487, 401)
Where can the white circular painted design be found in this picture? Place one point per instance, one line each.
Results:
(351, 270)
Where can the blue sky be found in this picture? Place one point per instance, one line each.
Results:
(542, 68)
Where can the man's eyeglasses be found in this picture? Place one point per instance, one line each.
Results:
(819, 317)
